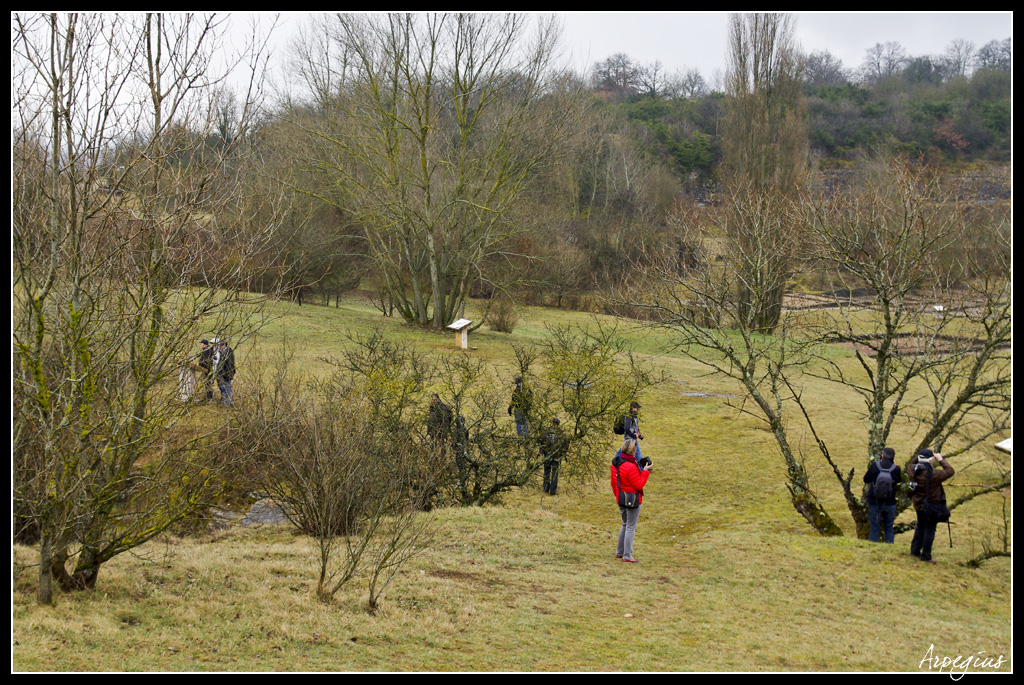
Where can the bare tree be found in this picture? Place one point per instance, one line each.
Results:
(653, 80)
(883, 61)
(619, 76)
(764, 155)
(958, 58)
(701, 299)
(132, 238)
(822, 68)
(904, 236)
(687, 84)
(996, 54)
(438, 132)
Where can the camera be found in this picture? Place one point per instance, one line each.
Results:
(643, 463)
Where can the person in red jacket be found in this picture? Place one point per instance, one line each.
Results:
(632, 479)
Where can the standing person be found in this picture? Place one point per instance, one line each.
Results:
(631, 426)
(883, 478)
(553, 448)
(439, 422)
(440, 419)
(926, 482)
(627, 477)
(206, 366)
(520, 407)
(224, 369)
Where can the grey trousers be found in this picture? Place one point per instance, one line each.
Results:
(629, 520)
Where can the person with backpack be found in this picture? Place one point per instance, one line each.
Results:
(928, 499)
(882, 479)
(628, 426)
(628, 481)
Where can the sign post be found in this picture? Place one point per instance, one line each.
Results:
(461, 328)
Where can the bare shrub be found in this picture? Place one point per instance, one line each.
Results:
(502, 317)
(334, 459)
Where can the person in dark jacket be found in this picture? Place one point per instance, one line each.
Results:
(632, 479)
(225, 373)
(439, 422)
(631, 425)
(206, 366)
(519, 407)
(921, 471)
(882, 508)
(553, 447)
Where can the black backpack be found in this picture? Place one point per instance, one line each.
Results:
(620, 425)
(884, 487)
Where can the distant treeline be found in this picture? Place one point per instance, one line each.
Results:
(949, 108)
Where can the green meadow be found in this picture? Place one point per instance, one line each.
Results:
(730, 577)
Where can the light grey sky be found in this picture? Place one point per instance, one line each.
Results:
(698, 39)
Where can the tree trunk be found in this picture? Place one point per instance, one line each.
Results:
(860, 518)
(808, 507)
(58, 570)
(44, 594)
(86, 571)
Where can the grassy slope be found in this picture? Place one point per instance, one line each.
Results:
(729, 577)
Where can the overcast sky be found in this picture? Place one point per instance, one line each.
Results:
(697, 39)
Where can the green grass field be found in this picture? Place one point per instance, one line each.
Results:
(729, 577)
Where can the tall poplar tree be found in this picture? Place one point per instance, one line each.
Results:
(765, 158)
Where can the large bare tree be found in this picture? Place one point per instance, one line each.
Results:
(429, 128)
(933, 356)
(917, 284)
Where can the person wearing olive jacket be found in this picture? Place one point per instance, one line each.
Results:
(920, 466)
(625, 471)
